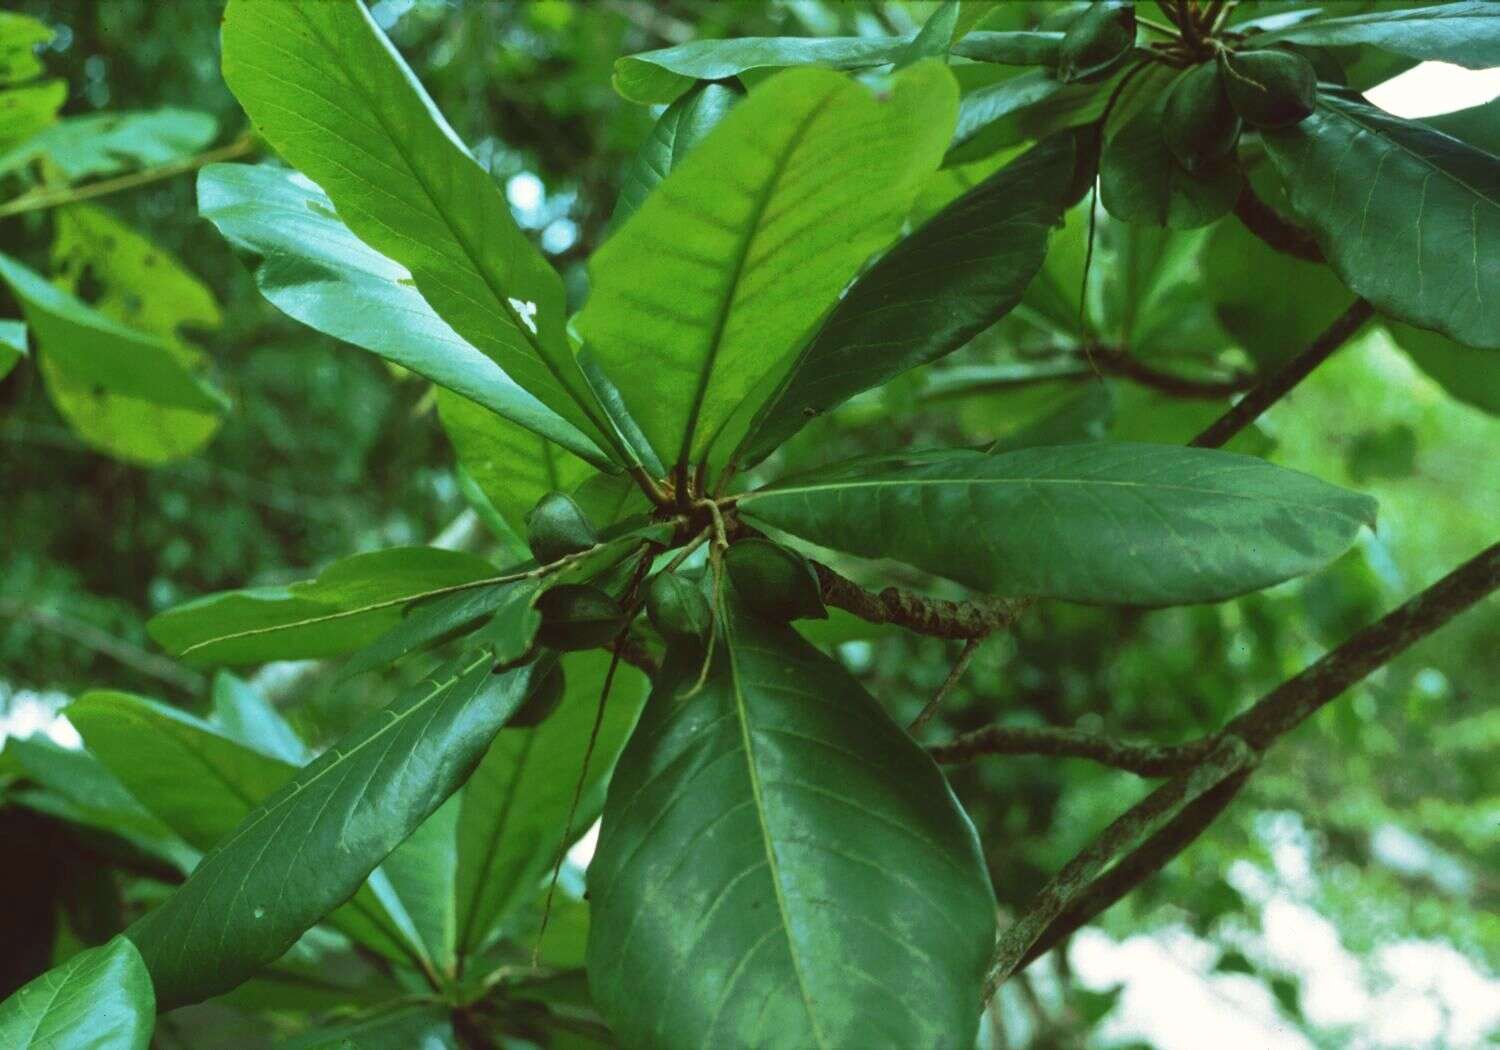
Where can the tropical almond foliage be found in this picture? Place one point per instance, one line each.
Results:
(808, 225)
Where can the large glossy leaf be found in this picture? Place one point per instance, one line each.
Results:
(351, 603)
(326, 88)
(103, 351)
(661, 76)
(781, 865)
(308, 847)
(1465, 33)
(708, 289)
(515, 806)
(109, 143)
(202, 785)
(1108, 523)
(1404, 213)
(100, 999)
(938, 288)
(316, 271)
(682, 126)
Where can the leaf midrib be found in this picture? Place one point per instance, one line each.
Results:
(773, 864)
(386, 603)
(742, 255)
(923, 482)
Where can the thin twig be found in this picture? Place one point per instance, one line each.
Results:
(937, 617)
(1119, 362)
(39, 199)
(617, 651)
(1276, 386)
(1270, 718)
(1261, 219)
(1147, 760)
(1146, 817)
(965, 657)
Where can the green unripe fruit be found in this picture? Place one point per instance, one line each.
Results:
(557, 527)
(1198, 123)
(547, 688)
(677, 608)
(1097, 43)
(1270, 89)
(773, 582)
(577, 616)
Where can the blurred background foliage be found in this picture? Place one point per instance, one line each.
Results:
(1373, 827)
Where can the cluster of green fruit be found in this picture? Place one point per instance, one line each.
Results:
(1204, 108)
(768, 580)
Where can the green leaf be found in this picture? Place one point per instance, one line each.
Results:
(516, 804)
(110, 143)
(100, 999)
(30, 108)
(1035, 104)
(245, 715)
(309, 846)
(1140, 181)
(662, 76)
(317, 272)
(19, 36)
(937, 289)
(1015, 48)
(446, 617)
(704, 295)
(1106, 523)
(349, 605)
(512, 466)
(781, 864)
(202, 785)
(685, 123)
(81, 790)
(326, 88)
(399, 1028)
(1479, 126)
(198, 782)
(135, 282)
(103, 351)
(1466, 33)
(934, 38)
(12, 345)
(1402, 212)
